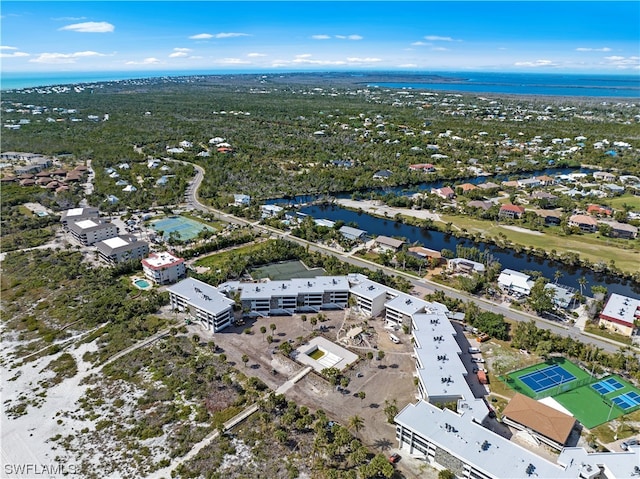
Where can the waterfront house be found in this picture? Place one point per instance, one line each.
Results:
(386, 243)
(515, 282)
(511, 211)
(424, 167)
(621, 230)
(465, 266)
(382, 175)
(586, 223)
(353, 234)
(446, 193)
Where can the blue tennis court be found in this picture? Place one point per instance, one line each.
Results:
(627, 400)
(607, 386)
(547, 378)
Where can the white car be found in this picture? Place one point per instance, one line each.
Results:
(477, 360)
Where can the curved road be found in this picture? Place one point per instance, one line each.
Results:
(571, 331)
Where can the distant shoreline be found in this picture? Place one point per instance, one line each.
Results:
(575, 87)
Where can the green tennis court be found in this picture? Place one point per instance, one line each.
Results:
(553, 377)
(593, 406)
(592, 401)
(186, 228)
(286, 270)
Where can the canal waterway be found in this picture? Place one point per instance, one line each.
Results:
(428, 185)
(508, 258)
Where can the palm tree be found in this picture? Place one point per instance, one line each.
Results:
(557, 275)
(582, 282)
(356, 423)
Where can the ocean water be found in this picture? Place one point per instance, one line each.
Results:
(552, 84)
(571, 85)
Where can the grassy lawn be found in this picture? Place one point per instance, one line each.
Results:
(590, 247)
(617, 202)
(215, 261)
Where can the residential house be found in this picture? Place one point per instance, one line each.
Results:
(604, 176)
(424, 167)
(612, 189)
(466, 187)
(270, 210)
(511, 211)
(353, 234)
(621, 314)
(241, 200)
(621, 230)
(515, 282)
(489, 185)
(546, 180)
(446, 192)
(163, 268)
(551, 217)
(122, 248)
(586, 223)
(382, 175)
(544, 199)
(529, 183)
(425, 253)
(483, 205)
(465, 266)
(386, 243)
(598, 210)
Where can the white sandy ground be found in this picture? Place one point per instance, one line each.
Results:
(24, 441)
(522, 230)
(375, 207)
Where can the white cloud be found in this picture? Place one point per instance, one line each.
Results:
(201, 36)
(230, 35)
(421, 44)
(349, 37)
(90, 27)
(623, 62)
(233, 61)
(6, 47)
(537, 63)
(363, 60)
(256, 55)
(339, 37)
(408, 65)
(58, 58)
(439, 49)
(603, 49)
(180, 53)
(306, 59)
(304, 55)
(436, 38)
(14, 55)
(146, 61)
(69, 19)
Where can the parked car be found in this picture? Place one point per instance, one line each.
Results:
(477, 360)
(474, 350)
(393, 458)
(629, 442)
(483, 337)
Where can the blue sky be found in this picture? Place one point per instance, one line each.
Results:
(543, 36)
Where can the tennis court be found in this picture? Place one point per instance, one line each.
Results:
(546, 378)
(186, 228)
(627, 400)
(286, 270)
(607, 386)
(554, 376)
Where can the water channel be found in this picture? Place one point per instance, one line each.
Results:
(437, 240)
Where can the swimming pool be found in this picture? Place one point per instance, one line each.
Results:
(142, 283)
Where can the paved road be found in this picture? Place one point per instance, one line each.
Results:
(557, 328)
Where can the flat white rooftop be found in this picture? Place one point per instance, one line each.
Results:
(622, 308)
(116, 242)
(84, 224)
(74, 211)
(158, 260)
